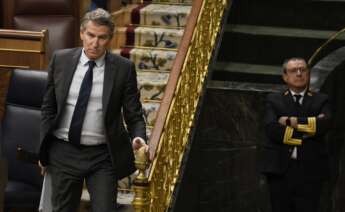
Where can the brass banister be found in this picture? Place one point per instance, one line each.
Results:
(174, 75)
(323, 46)
(176, 114)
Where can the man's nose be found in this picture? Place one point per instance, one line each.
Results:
(95, 43)
(299, 71)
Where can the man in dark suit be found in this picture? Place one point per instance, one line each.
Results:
(90, 93)
(295, 157)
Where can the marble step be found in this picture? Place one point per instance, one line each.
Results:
(124, 202)
(281, 31)
(150, 113)
(247, 73)
(185, 2)
(271, 45)
(149, 59)
(312, 14)
(152, 85)
(329, 0)
(147, 37)
(168, 15)
(157, 15)
(240, 86)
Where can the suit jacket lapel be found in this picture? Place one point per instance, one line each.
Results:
(291, 107)
(307, 101)
(290, 103)
(110, 72)
(69, 69)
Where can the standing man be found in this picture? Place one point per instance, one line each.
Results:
(90, 93)
(295, 157)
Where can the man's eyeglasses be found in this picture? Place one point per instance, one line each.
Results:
(300, 70)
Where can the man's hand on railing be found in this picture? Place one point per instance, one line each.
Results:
(138, 143)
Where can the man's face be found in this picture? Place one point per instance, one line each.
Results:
(296, 75)
(96, 39)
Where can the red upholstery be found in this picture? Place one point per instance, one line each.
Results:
(44, 7)
(60, 17)
(61, 29)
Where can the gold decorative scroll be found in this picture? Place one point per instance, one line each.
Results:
(166, 165)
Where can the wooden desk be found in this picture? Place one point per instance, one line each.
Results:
(20, 49)
(23, 49)
(3, 181)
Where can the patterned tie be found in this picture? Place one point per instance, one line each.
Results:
(74, 133)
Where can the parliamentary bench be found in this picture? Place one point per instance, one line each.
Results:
(20, 127)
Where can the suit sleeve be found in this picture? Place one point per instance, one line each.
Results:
(49, 104)
(276, 132)
(132, 108)
(316, 125)
(48, 113)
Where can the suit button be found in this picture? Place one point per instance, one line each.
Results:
(290, 150)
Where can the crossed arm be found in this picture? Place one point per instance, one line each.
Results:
(293, 130)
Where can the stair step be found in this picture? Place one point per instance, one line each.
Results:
(163, 15)
(271, 45)
(149, 59)
(148, 131)
(124, 202)
(152, 85)
(242, 72)
(329, 0)
(324, 14)
(183, 2)
(147, 37)
(214, 84)
(150, 112)
(152, 15)
(248, 68)
(282, 31)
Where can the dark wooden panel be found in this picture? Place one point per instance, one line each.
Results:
(3, 181)
(4, 80)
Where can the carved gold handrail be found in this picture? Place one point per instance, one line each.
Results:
(176, 114)
(323, 46)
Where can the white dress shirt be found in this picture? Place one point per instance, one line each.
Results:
(93, 131)
(294, 152)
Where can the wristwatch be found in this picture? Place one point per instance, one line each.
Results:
(288, 122)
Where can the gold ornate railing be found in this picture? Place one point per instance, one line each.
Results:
(312, 59)
(176, 115)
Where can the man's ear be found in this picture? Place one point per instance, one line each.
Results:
(284, 77)
(81, 33)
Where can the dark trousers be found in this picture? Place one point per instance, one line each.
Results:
(293, 192)
(70, 165)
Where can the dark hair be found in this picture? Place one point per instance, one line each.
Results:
(286, 61)
(100, 17)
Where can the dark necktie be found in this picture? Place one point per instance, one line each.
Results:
(81, 105)
(297, 100)
(298, 107)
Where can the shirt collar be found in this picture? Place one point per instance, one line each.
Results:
(84, 59)
(301, 93)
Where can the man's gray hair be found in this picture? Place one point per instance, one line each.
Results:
(100, 17)
(286, 61)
